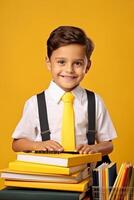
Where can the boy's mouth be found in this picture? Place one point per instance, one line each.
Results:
(68, 77)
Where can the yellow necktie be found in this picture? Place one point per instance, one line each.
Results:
(68, 133)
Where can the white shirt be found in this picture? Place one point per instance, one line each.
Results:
(29, 125)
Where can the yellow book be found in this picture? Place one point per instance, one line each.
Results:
(80, 187)
(61, 159)
(107, 184)
(119, 183)
(41, 177)
(114, 190)
(34, 167)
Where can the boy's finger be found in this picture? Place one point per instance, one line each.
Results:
(57, 144)
(58, 147)
(92, 151)
(55, 147)
(85, 149)
(53, 144)
(79, 147)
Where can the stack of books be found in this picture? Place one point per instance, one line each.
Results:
(62, 176)
(107, 185)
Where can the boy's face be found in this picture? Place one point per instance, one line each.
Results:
(68, 66)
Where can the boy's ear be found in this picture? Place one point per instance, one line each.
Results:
(48, 63)
(88, 66)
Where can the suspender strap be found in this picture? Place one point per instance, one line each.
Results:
(91, 124)
(91, 117)
(45, 132)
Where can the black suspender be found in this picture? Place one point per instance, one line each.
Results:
(45, 132)
(91, 124)
(91, 117)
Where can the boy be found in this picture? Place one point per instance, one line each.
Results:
(68, 59)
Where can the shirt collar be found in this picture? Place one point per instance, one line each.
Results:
(56, 92)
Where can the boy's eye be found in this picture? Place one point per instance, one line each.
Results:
(61, 62)
(78, 63)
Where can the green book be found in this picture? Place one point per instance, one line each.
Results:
(16, 193)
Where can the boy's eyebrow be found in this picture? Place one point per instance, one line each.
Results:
(76, 59)
(60, 58)
(80, 59)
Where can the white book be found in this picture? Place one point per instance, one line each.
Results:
(61, 159)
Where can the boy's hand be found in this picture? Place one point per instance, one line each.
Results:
(49, 145)
(85, 149)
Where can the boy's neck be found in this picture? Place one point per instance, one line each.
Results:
(66, 90)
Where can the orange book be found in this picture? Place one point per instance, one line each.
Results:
(103, 183)
(125, 180)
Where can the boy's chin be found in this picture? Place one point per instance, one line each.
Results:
(68, 89)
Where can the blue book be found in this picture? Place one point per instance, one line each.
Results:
(112, 174)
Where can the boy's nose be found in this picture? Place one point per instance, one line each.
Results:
(69, 68)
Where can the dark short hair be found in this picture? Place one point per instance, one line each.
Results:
(65, 35)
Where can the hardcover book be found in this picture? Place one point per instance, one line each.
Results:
(62, 159)
(41, 177)
(78, 187)
(15, 193)
(50, 169)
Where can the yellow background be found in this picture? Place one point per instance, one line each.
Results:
(25, 26)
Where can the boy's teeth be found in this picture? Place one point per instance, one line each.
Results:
(67, 76)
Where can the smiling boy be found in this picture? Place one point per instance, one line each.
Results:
(68, 60)
(68, 65)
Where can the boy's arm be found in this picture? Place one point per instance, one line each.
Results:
(102, 147)
(25, 144)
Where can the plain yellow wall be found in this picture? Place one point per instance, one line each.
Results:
(25, 27)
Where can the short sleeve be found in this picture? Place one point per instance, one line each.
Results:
(104, 125)
(28, 126)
